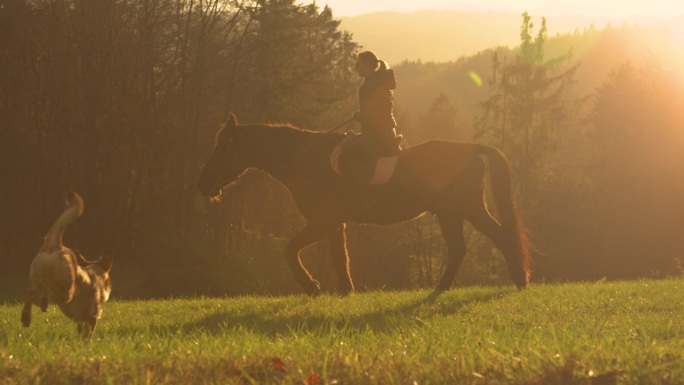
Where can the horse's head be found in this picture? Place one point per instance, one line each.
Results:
(225, 165)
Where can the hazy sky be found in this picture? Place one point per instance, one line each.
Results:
(618, 9)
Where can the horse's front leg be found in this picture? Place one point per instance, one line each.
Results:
(451, 224)
(310, 234)
(340, 258)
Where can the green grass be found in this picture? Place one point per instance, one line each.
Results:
(592, 333)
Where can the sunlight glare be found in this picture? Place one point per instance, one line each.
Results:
(475, 78)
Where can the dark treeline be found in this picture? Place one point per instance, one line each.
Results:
(120, 99)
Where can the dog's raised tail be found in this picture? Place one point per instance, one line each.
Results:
(53, 238)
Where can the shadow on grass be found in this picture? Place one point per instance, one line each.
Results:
(280, 320)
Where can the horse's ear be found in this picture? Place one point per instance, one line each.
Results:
(232, 121)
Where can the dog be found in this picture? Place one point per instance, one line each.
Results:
(63, 276)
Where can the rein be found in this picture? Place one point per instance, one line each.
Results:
(340, 125)
(215, 173)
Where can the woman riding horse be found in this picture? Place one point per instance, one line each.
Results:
(376, 105)
(378, 129)
(441, 177)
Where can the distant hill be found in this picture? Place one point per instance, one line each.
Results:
(442, 36)
(598, 52)
(434, 53)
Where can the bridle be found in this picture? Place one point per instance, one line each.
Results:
(215, 174)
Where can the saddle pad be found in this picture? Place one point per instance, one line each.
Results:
(384, 166)
(384, 169)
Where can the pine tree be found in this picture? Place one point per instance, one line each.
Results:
(528, 109)
(300, 65)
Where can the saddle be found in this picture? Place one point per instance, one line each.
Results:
(354, 160)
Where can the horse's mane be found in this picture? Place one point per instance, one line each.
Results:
(278, 128)
(284, 143)
(287, 136)
(282, 127)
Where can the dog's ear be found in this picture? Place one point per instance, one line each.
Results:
(80, 259)
(105, 262)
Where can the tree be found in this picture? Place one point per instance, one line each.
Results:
(527, 110)
(120, 100)
(441, 121)
(637, 213)
(298, 67)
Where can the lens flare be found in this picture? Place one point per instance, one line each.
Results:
(475, 78)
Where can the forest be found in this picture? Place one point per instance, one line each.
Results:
(120, 100)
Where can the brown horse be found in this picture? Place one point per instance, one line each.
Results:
(444, 178)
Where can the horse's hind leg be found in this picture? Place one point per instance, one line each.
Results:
(309, 234)
(340, 258)
(482, 220)
(451, 224)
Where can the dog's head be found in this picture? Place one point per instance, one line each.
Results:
(100, 269)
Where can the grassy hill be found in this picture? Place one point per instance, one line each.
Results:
(589, 333)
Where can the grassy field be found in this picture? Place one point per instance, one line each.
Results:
(591, 333)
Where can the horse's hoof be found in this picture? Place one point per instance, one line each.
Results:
(433, 296)
(26, 319)
(522, 286)
(314, 290)
(346, 293)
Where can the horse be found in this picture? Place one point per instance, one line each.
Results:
(444, 178)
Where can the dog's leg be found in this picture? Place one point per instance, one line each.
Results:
(92, 323)
(26, 311)
(87, 327)
(44, 299)
(82, 330)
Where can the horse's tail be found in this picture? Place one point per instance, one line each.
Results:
(53, 238)
(502, 190)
